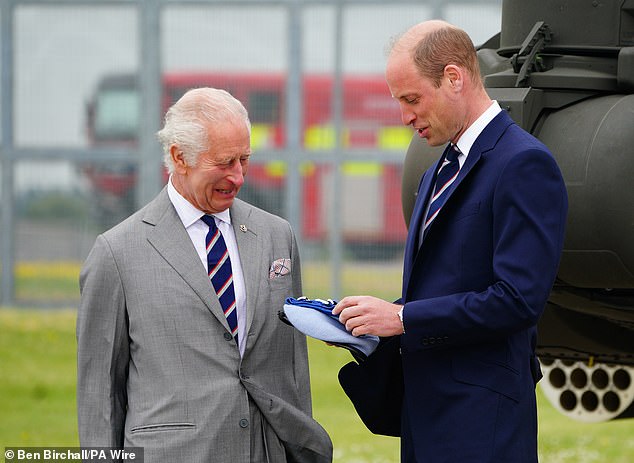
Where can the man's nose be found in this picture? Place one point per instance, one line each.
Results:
(237, 173)
(407, 116)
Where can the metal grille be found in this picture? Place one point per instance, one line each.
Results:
(84, 84)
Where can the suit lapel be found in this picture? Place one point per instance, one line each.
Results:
(250, 248)
(414, 248)
(424, 193)
(171, 241)
(486, 141)
(472, 159)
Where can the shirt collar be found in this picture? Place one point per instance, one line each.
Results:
(186, 210)
(470, 135)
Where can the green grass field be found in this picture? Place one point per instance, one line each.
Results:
(37, 400)
(37, 363)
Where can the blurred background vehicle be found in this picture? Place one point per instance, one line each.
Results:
(370, 119)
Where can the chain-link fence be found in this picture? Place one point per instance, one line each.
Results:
(84, 85)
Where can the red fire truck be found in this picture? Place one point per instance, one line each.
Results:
(370, 197)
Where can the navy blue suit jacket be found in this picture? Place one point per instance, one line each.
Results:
(473, 294)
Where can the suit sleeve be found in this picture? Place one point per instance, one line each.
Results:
(102, 351)
(529, 206)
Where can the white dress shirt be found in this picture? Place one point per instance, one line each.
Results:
(197, 231)
(470, 135)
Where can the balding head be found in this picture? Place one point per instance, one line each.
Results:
(408, 40)
(432, 45)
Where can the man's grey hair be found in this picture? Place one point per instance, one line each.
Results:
(187, 120)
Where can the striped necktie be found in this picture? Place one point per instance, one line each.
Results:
(220, 273)
(446, 176)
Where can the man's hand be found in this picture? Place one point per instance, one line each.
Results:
(369, 315)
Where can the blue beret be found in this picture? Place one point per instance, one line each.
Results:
(314, 318)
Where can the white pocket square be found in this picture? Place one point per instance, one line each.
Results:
(280, 267)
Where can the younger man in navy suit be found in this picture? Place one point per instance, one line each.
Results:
(482, 253)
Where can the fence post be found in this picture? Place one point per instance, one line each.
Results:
(7, 237)
(294, 117)
(150, 83)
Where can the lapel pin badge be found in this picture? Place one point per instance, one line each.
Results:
(243, 228)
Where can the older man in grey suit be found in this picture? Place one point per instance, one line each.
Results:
(172, 362)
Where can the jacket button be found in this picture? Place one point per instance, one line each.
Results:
(227, 336)
(244, 423)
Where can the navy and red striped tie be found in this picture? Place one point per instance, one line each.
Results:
(446, 176)
(220, 272)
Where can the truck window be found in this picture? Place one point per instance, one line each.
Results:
(264, 107)
(117, 114)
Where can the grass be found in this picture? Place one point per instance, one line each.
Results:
(37, 364)
(57, 283)
(37, 400)
(42, 282)
(37, 392)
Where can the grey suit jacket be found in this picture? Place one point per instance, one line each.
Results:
(157, 367)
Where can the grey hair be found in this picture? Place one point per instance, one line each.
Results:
(187, 120)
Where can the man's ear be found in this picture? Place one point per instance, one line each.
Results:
(178, 159)
(454, 77)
